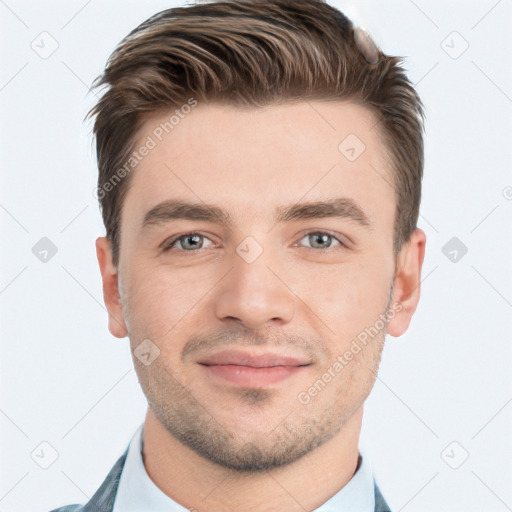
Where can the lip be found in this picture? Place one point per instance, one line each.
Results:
(252, 370)
(266, 360)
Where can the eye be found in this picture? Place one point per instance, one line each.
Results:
(192, 242)
(321, 240)
(189, 242)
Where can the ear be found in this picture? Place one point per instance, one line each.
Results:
(407, 282)
(111, 297)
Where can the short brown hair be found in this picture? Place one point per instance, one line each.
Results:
(252, 53)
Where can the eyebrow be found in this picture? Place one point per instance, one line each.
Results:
(341, 207)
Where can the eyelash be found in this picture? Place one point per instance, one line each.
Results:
(170, 245)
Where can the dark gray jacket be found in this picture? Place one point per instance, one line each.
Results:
(103, 499)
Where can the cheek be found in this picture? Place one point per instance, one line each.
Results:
(162, 298)
(349, 298)
(155, 303)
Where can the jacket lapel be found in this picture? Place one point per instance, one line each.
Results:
(380, 502)
(103, 499)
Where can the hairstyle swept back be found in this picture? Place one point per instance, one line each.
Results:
(250, 53)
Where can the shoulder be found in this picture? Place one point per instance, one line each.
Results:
(103, 499)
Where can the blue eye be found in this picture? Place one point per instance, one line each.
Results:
(192, 242)
(321, 240)
(189, 242)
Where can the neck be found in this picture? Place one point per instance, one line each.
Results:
(198, 484)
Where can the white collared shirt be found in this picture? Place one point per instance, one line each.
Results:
(137, 492)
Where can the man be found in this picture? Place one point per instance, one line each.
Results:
(260, 167)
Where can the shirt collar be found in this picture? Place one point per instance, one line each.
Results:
(138, 492)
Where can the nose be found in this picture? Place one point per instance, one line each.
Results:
(255, 294)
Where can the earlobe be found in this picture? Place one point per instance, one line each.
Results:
(111, 297)
(407, 283)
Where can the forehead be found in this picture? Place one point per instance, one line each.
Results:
(254, 160)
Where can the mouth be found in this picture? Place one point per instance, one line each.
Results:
(253, 370)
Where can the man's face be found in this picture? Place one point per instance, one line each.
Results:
(302, 283)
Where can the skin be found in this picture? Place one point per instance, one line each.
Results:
(208, 444)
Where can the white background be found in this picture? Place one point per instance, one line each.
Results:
(65, 380)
